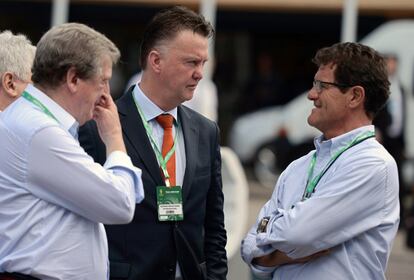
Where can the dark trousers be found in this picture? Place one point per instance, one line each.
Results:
(16, 276)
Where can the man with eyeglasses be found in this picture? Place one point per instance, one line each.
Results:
(335, 211)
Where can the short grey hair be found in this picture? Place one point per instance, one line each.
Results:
(166, 24)
(71, 45)
(16, 55)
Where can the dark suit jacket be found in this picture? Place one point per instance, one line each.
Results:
(147, 248)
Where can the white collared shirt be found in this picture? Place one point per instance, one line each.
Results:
(354, 212)
(54, 197)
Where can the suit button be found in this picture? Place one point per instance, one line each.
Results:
(171, 270)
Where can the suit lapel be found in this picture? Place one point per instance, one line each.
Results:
(134, 131)
(190, 133)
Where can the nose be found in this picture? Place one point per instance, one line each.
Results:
(198, 72)
(312, 94)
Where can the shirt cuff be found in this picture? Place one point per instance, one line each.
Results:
(119, 159)
(266, 238)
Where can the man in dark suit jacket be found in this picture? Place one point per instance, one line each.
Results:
(173, 52)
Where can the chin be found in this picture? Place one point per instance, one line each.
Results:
(82, 121)
(310, 122)
(85, 119)
(188, 97)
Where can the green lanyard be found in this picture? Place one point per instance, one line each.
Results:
(162, 160)
(39, 104)
(311, 183)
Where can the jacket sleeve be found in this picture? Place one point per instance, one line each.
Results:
(91, 142)
(215, 233)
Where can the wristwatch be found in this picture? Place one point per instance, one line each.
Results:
(261, 227)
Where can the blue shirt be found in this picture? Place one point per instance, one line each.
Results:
(54, 197)
(354, 212)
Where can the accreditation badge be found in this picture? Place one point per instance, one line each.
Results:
(170, 203)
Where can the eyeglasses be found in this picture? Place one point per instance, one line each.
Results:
(319, 86)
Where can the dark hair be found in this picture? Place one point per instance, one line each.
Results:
(70, 45)
(166, 24)
(357, 64)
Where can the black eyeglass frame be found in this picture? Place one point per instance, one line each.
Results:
(317, 84)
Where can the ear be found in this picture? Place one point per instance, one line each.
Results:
(357, 97)
(72, 80)
(9, 86)
(154, 61)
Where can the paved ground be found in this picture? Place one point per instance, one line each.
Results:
(401, 263)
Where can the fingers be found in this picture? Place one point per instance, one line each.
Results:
(314, 256)
(273, 259)
(102, 101)
(321, 253)
(105, 101)
(97, 112)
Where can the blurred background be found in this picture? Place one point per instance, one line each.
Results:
(257, 81)
(263, 48)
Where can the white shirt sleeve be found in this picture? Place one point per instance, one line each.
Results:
(62, 173)
(249, 248)
(344, 206)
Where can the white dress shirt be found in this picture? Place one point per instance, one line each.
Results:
(54, 197)
(354, 212)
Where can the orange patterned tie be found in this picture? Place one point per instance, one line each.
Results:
(166, 121)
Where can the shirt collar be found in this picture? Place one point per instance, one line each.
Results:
(340, 141)
(149, 108)
(66, 120)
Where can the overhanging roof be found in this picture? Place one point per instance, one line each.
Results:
(319, 5)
